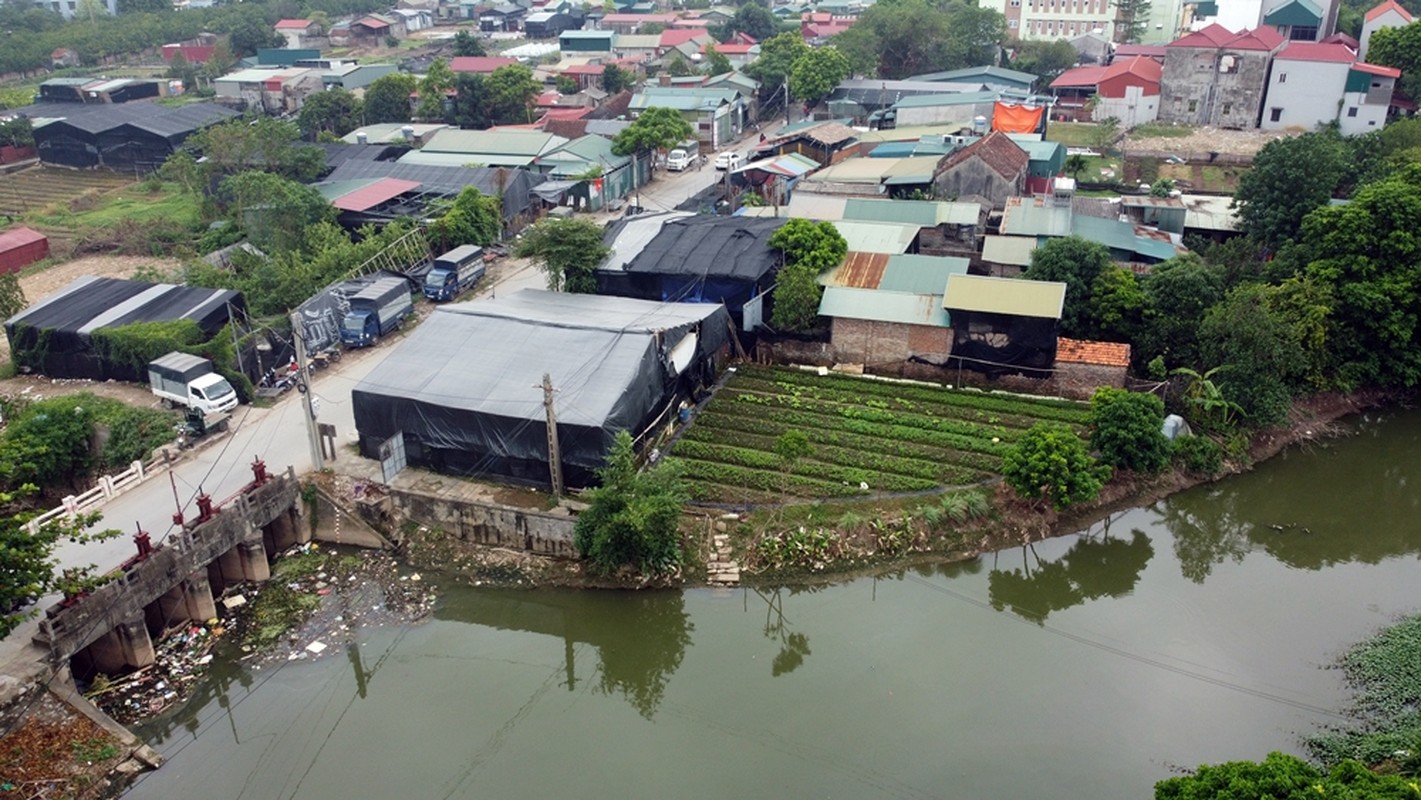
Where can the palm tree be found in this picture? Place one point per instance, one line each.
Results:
(1207, 399)
(1076, 164)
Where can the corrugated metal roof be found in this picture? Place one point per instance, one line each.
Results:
(1208, 212)
(881, 306)
(19, 237)
(1024, 216)
(638, 41)
(331, 190)
(877, 237)
(509, 143)
(1012, 250)
(390, 131)
(373, 195)
(1020, 298)
(924, 213)
(859, 271)
(918, 274)
(790, 164)
(808, 205)
(1125, 236)
(427, 159)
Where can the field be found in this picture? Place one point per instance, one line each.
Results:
(866, 436)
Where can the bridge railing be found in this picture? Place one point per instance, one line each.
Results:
(107, 488)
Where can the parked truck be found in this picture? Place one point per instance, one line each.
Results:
(454, 272)
(684, 156)
(180, 379)
(375, 311)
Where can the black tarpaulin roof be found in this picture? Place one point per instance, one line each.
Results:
(721, 247)
(465, 386)
(53, 336)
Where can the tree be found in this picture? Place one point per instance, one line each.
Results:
(1132, 20)
(1126, 430)
(567, 250)
(249, 32)
(438, 81)
(1180, 291)
(1290, 178)
(1284, 777)
(1400, 48)
(475, 218)
(778, 55)
(657, 128)
(1265, 360)
(816, 245)
(1161, 187)
(1076, 164)
(1075, 262)
(27, 560)
(1104, 134)
(676, 65)
(274, 211)
(12, 295)
(258, 142)
(796, 299)
(615, 79)
(631, 519)
(908, 37)
(791, 447)
(183, 70)
(567, 85)
(91, 10)
(1050, 463)
(816, 73)
(144, 6)
(1045, 59)
(716, 62)
(467, 44)
(752, 19)
(387, 99)
(333, 111)
(1210, 409)
(1117, 305)
(471, 104)
(511, 90)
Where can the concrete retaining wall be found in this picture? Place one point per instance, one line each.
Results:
(490, 524)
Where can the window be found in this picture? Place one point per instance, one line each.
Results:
(1352, 112)
(1193, 106)
(1275, 114)
(1300, 33)
(1282, 77)
(1228, 64)
(1228, 109)
(1011, 23)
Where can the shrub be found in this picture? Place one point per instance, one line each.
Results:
(1199, 454)
(631, 518)
(1125, 429)
(1051, 463)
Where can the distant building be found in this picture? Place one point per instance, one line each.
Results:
(1216, 77)
(1389, 14)
(298, 32)
(69, 8)
(1313, 84)
(479, 65)
(1128, 90)
(1045, 19)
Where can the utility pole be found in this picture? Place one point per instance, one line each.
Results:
(554, 451)
(303, 384)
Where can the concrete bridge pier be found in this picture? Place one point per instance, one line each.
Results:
(127, 646)
(285, 531)
(189, 601)
(246, 561)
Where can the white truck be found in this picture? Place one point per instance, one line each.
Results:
(684, 156)
(180, 379)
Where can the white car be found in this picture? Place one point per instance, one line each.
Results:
(727, 160)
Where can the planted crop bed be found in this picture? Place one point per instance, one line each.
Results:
(865, 436)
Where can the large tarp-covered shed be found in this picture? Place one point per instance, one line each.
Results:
(465, 388)
(695, 259)
(118, 136)
(54, 336)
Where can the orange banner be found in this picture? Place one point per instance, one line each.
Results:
(1011, 118)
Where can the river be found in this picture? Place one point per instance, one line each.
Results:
(1088, 666)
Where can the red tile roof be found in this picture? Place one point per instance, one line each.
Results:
(1389, 5)
(374, 194)
(1080, 76)
(372, 23)
(1317, 51)
(1216, 36)
(19, 237)
(584, 69)
(479, 64)
(734, 49)
(1342, 38)
(1100, 354)
(1377, 69)
(1210, 36)
(1142, 67)
(997, 151)
(674, 36)
(1130, 50)
(1265, 38)
(638, 19)
(293, 24)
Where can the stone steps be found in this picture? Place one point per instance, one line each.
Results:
(721, 568)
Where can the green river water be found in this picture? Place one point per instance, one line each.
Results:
(1088, 666)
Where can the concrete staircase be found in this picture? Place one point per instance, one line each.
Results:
(721, 568)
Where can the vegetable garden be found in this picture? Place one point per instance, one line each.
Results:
(866, 436)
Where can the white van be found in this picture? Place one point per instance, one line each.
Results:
(678, 160)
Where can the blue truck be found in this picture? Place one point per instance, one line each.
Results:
(375, 311)
(454, 272)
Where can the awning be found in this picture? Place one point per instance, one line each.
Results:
(380, 191)
(553, 191)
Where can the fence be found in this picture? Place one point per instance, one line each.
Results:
(108, 487)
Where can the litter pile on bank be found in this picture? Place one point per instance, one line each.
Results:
(181, 657)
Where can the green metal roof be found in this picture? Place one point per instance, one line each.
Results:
(1013, 250)
(1038, 150)
(591, 148)
(877, 237)
(335, 189)
(1021, 298)
(959, 99)
(1301, 13)
(882, 306)
(1026, 218)
(918, 274)
(1119, 235)
(1022, 80)
(503, 143)
(923, 213)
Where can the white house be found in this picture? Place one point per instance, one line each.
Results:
(1387, 15)
(1314, 83)
(296, 32)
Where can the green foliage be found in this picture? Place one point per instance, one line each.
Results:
(778, 55)
(251, 32)
(1125, 429)
(815, 74)
(1180, 291)
(1264, 357)
(909, 37)
(1132, 19)
(511, 90)
(793, 445)
(1076, 164)
(26, 560)
(716, 62)
(467, 44)
(1117, 305)
(137, 343)
(387, 99)
(1105, 132)
(567, 85)
(1290, 178)
(333, 111)
(433, 88)
(751, 18)
(1365, 254)
(1386, 676)
(258, 142)
(1161, 187)
(471, 101)
(815, 245)
(12, 296)
(17, 132)
(1199, 455)
(475, 218)
(1400, 48)
(631, 519)
(615, 79)
(1044, 59)
(1284, 777)
(274, 211)
(657, 128)
(567, 250)
(1051, 463)
(796, 298)
(1077, 263)
(1208, 408)
(53, 442)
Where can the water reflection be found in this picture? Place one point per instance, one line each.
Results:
(216, 685)
(1091, 569)
(640, 636)
(1349, 500)
(794, 646)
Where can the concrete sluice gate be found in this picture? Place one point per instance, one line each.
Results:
(112, 629)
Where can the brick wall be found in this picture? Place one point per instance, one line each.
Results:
(857, 341)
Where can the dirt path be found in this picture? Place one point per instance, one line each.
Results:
(39, 285)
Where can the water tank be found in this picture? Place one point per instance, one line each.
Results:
(979, 124)
(361, 138)
(408, 132)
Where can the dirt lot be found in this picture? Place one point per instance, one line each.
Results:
(39, 285)
(1209, 140)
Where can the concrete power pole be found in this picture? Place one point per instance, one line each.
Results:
(303, 375)
(554, 451)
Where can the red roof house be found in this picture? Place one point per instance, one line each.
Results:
(479, 65)
(20, 247)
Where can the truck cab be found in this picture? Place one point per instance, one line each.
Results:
(678, 160)
(180, 379)
(378, 309)
(359, 328)
(452, 273)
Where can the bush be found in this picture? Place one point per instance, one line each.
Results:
(1050, 462)
(1199, 455)
(631, 519)
(1125, 429)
